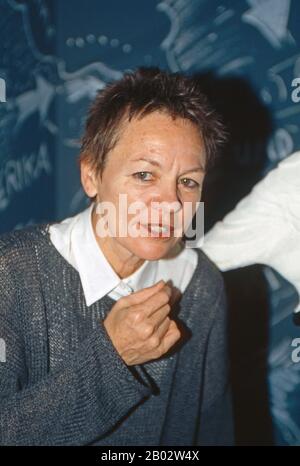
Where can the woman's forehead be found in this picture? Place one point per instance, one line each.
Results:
(158, 132)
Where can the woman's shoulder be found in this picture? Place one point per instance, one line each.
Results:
(200, 262)
(16, 242)
(204, 296)
(191, 270)
(207, 277)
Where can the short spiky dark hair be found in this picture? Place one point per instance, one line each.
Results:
(139, 93)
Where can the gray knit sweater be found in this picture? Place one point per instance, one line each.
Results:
(63, 382)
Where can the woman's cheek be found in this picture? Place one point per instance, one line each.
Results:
(141, 193)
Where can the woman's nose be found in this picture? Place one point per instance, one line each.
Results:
(167, 199)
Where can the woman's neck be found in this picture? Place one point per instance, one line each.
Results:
(122, 261)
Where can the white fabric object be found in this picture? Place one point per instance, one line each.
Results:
(75, 240)
(264, 227)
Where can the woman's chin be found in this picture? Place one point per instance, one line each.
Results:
(153, 249)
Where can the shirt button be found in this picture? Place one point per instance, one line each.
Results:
(126, 287)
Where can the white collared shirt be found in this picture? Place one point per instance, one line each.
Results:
(264, 227)
(75, 240)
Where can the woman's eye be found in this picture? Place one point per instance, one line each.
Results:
(189, 183)
(143, 176)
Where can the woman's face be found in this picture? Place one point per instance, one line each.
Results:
(157, 159)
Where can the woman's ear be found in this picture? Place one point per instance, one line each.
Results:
(88, 179)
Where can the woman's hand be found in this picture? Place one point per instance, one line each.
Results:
(139, 326)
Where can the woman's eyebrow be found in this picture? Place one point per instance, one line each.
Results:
(146, 159)
(195, 169)
(199, 168)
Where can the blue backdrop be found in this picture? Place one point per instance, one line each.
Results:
(55, 55)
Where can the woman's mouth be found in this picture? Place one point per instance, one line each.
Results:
(158, 230)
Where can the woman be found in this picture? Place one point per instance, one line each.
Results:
(100, 349)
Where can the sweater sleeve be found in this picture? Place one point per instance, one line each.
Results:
(216, 420)
(81, 400)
